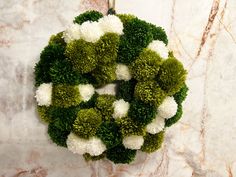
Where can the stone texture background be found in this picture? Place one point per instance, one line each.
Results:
(202, 35)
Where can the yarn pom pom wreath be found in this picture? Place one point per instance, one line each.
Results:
(108, 87)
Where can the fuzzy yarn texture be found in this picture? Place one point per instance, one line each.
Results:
(107, 86)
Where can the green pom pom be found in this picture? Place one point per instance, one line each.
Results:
(125, 89)
(63, 118)
(88, 157)
(181, 95)
(137, 35)
(159, 33)
(175, 118)
(82, 55)
(57, 39)
(104, 74)
(171, 76)
(130, 127)
(44, 113)
(107, 47)
(146, 66)
(65, 96)
(152, 142)
(62, 73)
(87, 123)
(47, 57)
(125, 18)
(88, 16)
(57, 135)
(104, 105)
(109, 133)
(149, 92)
(141, 112)
(120, 154)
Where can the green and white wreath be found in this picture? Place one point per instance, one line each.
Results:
(108, 86)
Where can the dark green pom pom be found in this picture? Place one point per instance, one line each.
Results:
(109, 133)
(181, 95)
(88, 16)
(120, 154)
(142, 112)
(158, 33)
(125, 90)
(57, 135)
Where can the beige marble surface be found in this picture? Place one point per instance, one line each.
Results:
(202, 33)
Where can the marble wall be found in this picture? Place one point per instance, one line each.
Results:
(202, 35)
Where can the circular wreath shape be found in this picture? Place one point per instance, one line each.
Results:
(108, 86)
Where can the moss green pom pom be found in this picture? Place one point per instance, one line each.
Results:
(88, 16)
(50, 54)
(63, 118)
(88, 157)
(104, 104)
(65, 96)
(181, 95)
(142, 112)
(82, 55)
(125, 18)
(158, 33)
(171, 76)
(120, 154)
(104, 74)
(87, 122)
(146, 66)
(175, 118)
(44, 113)
(57, 135)
(125, 90)
(152, 142)
(109, 133)
(130, 127)
(149, 92)
(107, 47)
(57, 39)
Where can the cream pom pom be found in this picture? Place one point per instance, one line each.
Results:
(159, 47)
(157, 125)
(121, 108)
(122, 72)
(86, 91)
(76, 144)
(133, 142)
(44, 94)
(94, 146)
(109, 89)
(91, 31)
(111, 24)
(168, 108)
(72, 33)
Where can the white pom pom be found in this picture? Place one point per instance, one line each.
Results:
(72, 33)
(94, 146)
(109, 89)
(112, 24)
(156, 125)
(122, 72)
(121, 108)
(159, 47)
(44, 94)
(133, 142)
(76, 144)
(168, 108)
(91, 31)
(86, 91)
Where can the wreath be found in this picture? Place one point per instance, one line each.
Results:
(108, 86)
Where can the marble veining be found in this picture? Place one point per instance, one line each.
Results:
(202, 34)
